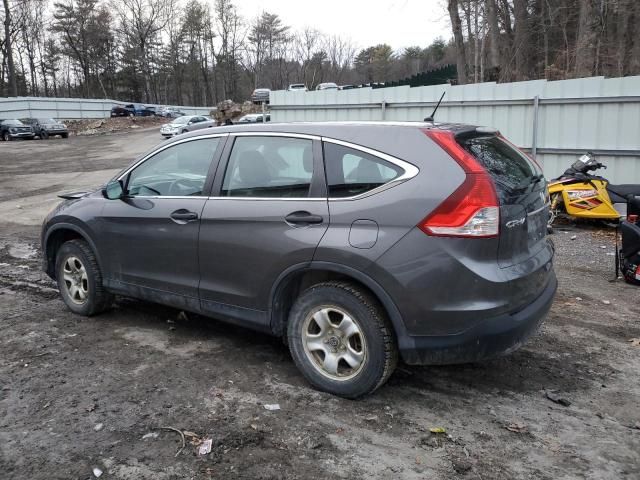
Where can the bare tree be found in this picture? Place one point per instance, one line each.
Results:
(456, 25)
(140, 22)
(8, 48)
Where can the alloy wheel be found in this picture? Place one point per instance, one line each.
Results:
(334, 343)
(76, 280)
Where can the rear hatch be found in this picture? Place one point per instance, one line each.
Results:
(522, 193)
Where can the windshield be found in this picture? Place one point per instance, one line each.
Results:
(12, 122)
(47, 120)
(182, 120)
(584, 163)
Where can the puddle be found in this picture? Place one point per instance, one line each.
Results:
(23, 251)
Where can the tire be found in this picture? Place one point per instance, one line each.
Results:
(44, 135)
(75, 261)
(64, 135)
(6, 137)
(355, 327)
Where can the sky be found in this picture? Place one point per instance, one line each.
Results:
(400, 23)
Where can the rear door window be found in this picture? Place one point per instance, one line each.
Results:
(274, 167)
(352, 172)
(511, 170)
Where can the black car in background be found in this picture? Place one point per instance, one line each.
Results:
(14, 129)
(47, 127)
(133, 109)
(119, 111)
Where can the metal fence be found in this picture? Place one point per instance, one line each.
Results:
(70, 108)
(555, 121)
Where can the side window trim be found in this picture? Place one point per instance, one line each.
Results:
(409, 169)
(215, 161)
(317, 191)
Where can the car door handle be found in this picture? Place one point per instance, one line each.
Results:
(184, 215)
(303, 218)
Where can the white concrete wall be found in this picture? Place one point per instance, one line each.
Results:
(69, 108)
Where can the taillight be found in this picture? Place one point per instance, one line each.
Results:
(473, 209)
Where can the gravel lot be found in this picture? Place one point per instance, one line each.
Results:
(78, 394)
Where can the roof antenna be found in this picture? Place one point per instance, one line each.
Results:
(430, 117)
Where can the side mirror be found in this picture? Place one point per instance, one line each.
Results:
(113, 190)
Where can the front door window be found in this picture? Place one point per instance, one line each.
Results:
(179, 170)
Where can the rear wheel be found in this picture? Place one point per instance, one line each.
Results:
(80, 279)
(341, 340)
(65, 135)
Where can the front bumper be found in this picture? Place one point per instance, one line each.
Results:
(22, 135)
(489, 338)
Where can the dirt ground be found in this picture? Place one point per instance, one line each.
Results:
(78, 394)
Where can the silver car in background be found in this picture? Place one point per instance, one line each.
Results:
(261, 95)
(180, 124)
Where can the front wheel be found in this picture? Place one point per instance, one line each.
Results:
(6, 137)
(44, 135)
(80, 279)
(341, 339)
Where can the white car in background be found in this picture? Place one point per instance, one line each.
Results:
(254, 118)
(180, 124)
(297, 87)
(327, 86)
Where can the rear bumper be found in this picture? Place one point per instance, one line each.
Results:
(489, 338)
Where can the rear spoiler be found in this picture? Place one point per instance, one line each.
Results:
(476, 132)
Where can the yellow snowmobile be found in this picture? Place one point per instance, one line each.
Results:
(579, 194)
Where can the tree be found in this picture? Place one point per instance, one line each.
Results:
(140, 22)
(8, 48)
(267, 34)
(456, 25)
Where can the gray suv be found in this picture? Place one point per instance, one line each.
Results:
(357, 243)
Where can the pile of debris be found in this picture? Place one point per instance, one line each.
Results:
(228, 109)
(103, 126)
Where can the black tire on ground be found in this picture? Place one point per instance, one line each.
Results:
(6, 137)
(381, 355)
(98, 299)
(44, 135)
(64, 135)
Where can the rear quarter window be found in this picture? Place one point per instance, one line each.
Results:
(351, 172)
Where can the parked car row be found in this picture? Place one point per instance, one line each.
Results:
(260, 95)
(139, 110)
(29, 128)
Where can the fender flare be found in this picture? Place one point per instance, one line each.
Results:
(77, 229)
(384, 298)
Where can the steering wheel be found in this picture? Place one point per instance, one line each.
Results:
(179, 186)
